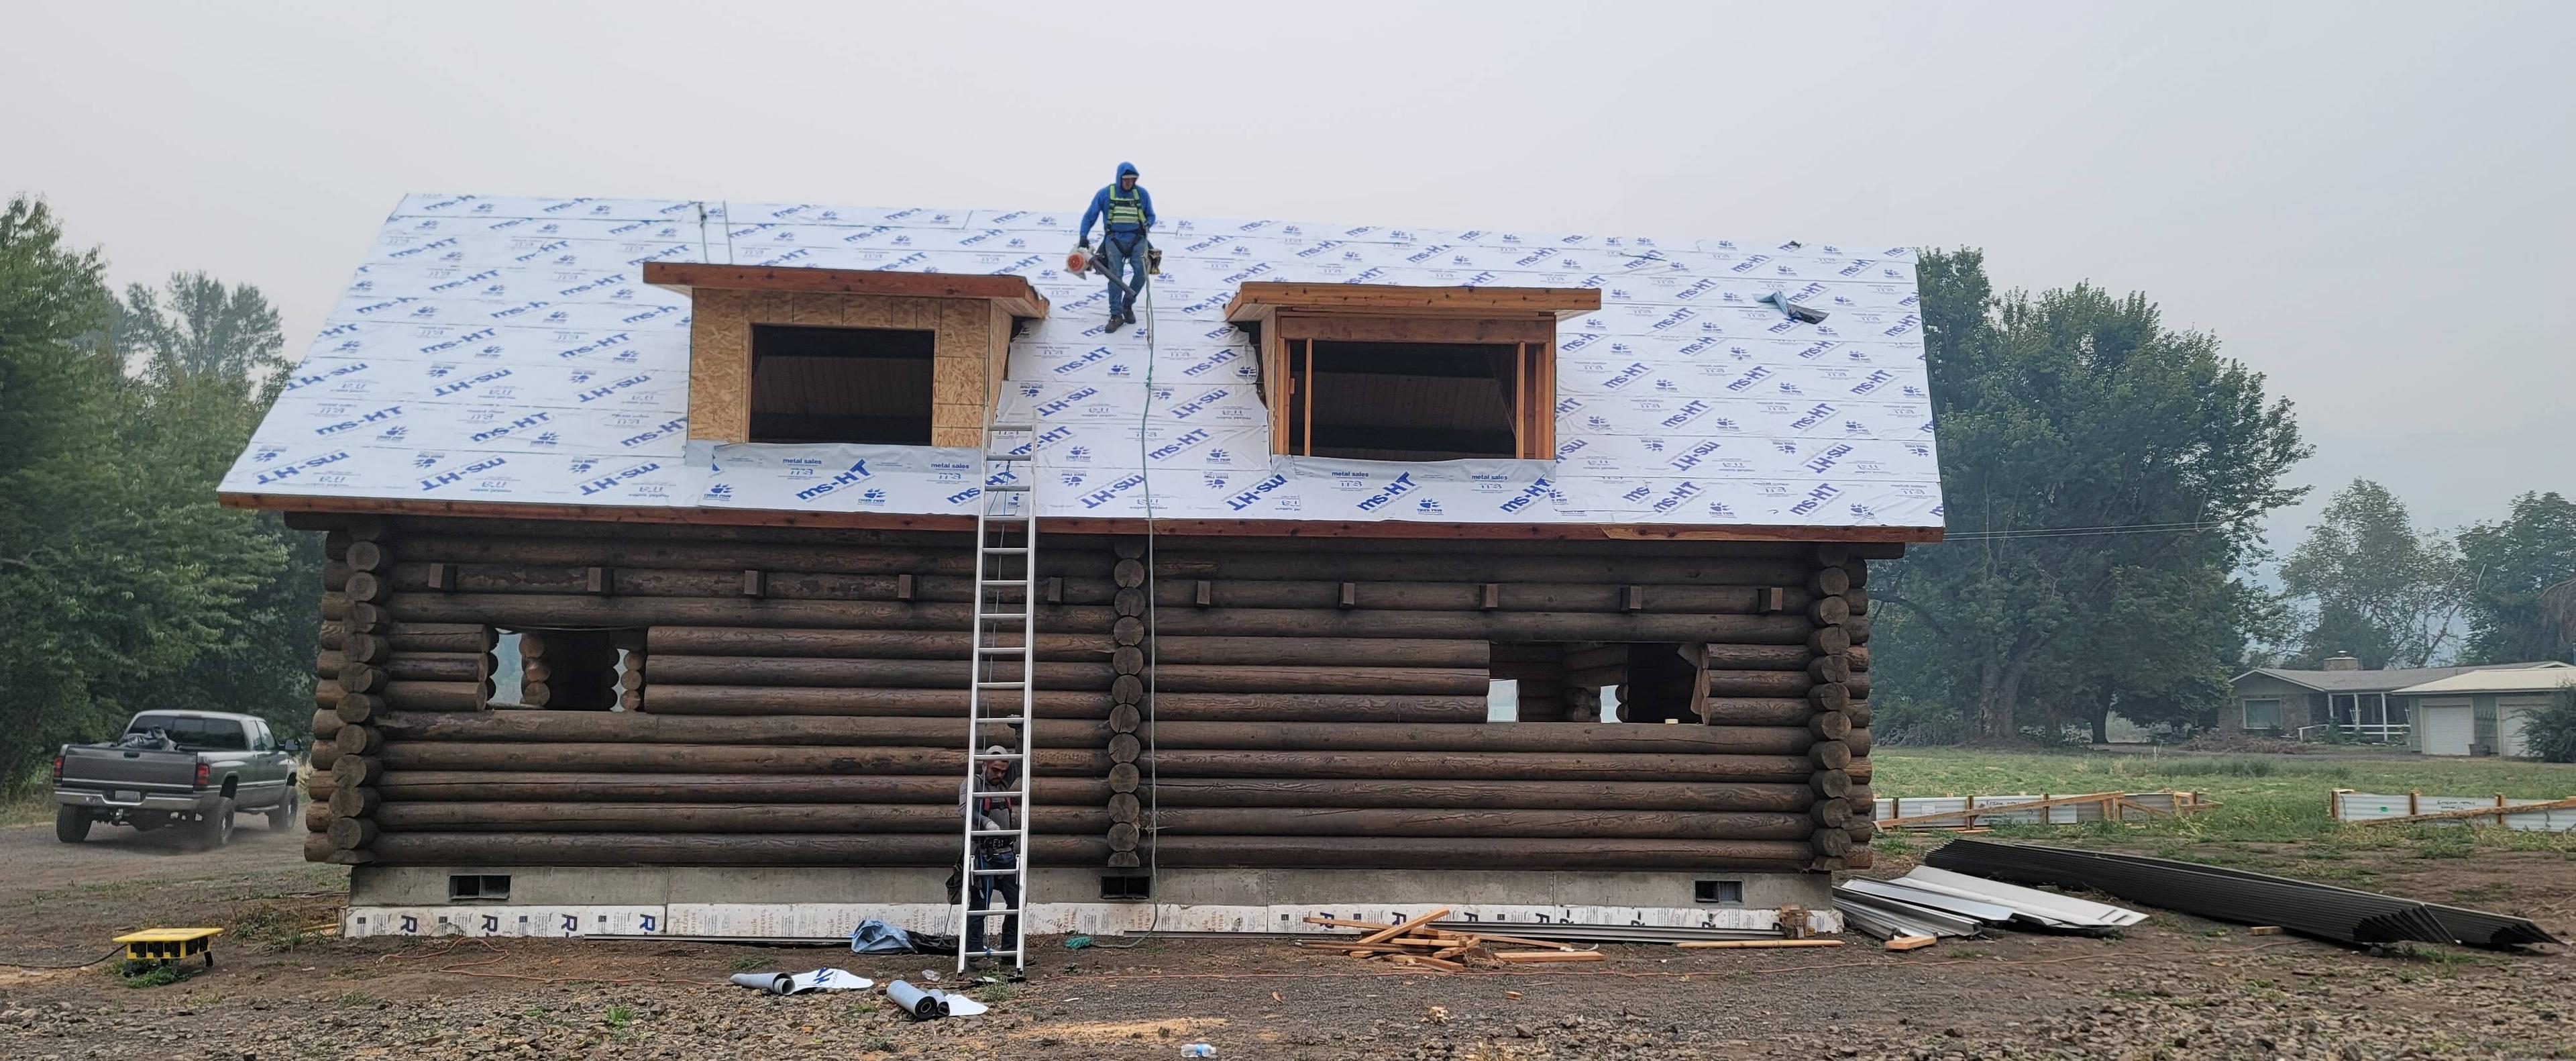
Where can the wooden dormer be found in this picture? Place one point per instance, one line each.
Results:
(1386, 372)
(845, 355)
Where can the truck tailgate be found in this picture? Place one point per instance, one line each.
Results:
(114, 768)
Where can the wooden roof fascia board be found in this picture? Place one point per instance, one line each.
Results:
(1257, 299)
(1896, 536)
(1013, 294)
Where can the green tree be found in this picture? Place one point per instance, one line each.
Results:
(203, 371)
(2508, 566)
(2559, 604)
(2102, 476)
(122, 585)
(75, 603)
(2374, 585)
(206, 331)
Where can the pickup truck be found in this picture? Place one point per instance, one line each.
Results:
(191, 768)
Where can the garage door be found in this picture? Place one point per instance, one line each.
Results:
(2510, 713)
(2448, 727)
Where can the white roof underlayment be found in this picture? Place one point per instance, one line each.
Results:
(505, 349)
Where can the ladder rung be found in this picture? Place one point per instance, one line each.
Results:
(995, 832)
(994, 912)
(1006, 456)
(1001, 648)
(1005, 550)
(1001, 685)
(1007, 488)
(996, 755)
(997, 873)
(998, 792)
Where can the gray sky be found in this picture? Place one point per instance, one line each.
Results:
(2369, 203)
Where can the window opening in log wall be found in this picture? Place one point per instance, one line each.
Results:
(1557, 681)
(1398, 401)
(867, 385)
(1660, 686)
(581, 670)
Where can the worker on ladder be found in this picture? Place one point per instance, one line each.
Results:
(991, 852)
(1129, 210)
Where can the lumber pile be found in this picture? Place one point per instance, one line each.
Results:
(1414, 942)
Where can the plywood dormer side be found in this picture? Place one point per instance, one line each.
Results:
(972, 341)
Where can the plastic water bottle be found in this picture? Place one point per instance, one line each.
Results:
(1198, 1050)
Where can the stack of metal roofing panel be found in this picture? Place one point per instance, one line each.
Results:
(2476, 928)
(1882, 910)
(1933, 902)
(2028, 905)
(2324, 911)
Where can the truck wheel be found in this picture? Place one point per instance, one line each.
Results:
(217, 827)
(282, 817)
(71, 824)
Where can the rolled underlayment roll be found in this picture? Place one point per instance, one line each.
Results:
(774, 983)
(799, 983)
(923, 1005)
(926, 1004)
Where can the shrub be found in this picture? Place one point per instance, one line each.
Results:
(1903, 721)
(2549, 734)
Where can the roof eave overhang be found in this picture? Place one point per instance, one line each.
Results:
(1894, 537)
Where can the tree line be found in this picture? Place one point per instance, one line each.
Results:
(2370, 583)
(2104, 478)
(123, 586)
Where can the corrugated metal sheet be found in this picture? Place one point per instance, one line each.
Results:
(1959, 905)
(2321, 910)
(2050, 908)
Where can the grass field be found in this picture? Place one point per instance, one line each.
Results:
(2268, 799)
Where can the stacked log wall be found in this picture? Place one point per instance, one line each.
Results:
(793, 697)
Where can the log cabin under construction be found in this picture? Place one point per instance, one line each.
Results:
(1520, 573)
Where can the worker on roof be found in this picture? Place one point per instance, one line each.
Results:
(1129, 210)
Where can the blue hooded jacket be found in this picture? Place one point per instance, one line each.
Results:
(1100, 205)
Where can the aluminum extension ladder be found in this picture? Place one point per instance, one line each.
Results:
(1004, 633)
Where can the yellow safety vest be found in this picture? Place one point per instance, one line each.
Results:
(1126, 209)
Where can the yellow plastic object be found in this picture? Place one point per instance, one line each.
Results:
(169, 944)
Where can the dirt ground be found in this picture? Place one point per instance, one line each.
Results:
(2177, 987)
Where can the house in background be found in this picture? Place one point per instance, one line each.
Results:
(2368, 705)
(2482, 712)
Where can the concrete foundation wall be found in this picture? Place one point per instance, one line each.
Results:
(808, 903)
